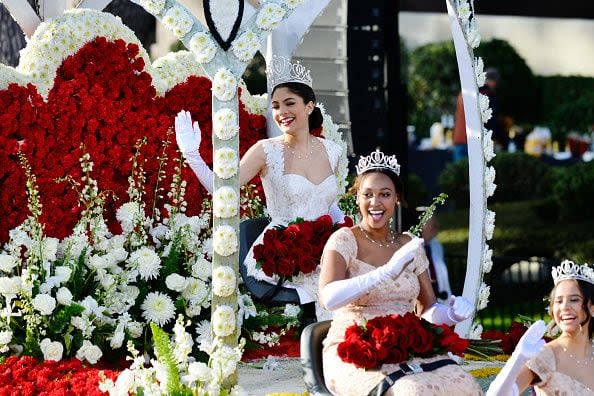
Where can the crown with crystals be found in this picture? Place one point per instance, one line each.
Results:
(378, 160)
(280, 70)
(570, 270)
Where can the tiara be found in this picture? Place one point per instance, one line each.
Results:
(378, 160)
(281, 70)
(570, 270)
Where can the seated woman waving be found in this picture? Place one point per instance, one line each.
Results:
(368, 271)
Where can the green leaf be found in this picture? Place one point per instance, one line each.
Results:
(175, 258)
(62, 318)
(165, 356)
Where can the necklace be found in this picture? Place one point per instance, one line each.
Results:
(298, 155)
(585, 361)
(387, 243)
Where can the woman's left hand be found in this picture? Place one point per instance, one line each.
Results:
(460, 309)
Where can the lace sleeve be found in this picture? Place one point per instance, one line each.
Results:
(343, 242)
(334, 151)
(543, 366)
(421, 261)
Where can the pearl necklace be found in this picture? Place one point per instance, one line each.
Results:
(586, 361)
(387, 243)
(298, 155)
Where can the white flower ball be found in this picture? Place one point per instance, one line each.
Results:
(178, 21)
(226, 163)
(176, 282)
(44, 303)
(225, 240)
(64, 296)
(7, 263)
(224, 124)
(224, 281)
(223, 321)
(153, 6)
(224, 85)
(203, 47)
(225, 202)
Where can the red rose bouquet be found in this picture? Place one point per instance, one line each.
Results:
(395, 339)
(295, 249)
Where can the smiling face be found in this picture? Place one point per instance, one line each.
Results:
(377, 199)
(290, 112)
(567, 307)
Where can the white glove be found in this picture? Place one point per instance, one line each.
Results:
(528, 347)
(188, 139)
(335, 212)
(458, 310)
(339, 293)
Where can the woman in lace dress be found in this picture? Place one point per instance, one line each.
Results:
(369, 271)
(296, 168)
(564, 366)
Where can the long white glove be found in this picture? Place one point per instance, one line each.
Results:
(339, 293)
(335, 212)
(188, 137)
(529, 346)
(458, 310)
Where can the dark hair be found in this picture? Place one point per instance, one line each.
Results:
(587, 291)
(307, 94)
(398, 185)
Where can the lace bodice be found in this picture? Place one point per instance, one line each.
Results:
(289, 196)
(553, 382)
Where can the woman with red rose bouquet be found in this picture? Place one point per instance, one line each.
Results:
(298, 169)
(374, 278)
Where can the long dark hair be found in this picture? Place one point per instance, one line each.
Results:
(587, 291)
(307, 94)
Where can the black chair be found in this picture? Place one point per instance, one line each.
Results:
(311, 357)
(262, 291)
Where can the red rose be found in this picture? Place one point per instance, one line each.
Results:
(361, 353)
(451, 341)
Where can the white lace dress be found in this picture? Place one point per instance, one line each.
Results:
(289, 196)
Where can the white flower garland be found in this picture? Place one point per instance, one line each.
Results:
(490, 185)
(226, 163)
(224, 281)
(489, 224)
(224, 124)
(487, 260)
(483, 296)
(486, 111)
(480, 74)
(225, 240)
(178, 21)
(225, 202)
(476, 331)
(245, 46)
(472, 34)
(269, 16)
(488, 149)
(203, 47)
(223, 321)
(152, 6)
(224, 85)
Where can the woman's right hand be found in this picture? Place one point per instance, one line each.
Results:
(188, 136)
(403, 256)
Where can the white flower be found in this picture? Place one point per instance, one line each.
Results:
(246, 306)
(223, 321)
(117, 339)
(202, 268)
(225, 202)
(50, 248)
(195, 290)
(153, 6)
(9, 286)
(490, 181)
(44, 303)
(7, 263)
(488, 150)
(226, 163)
(127, 215)
(5, 337)
(134, 329)
(197, 372)
(476, 331)
(52, 350)
(473, 36)
(483, 296)
(489, 224)
(203, 47)
(92, 353)
(487, 260)
(291, 4)
(224, 360)
(224, 85)
(224, 124)
(147, 262)
(479, 72)
(98, 262)
(176, 282)
(225, 240)
(158, 308)
(269, 16)
(178, 21)
(207, 248)
(124, 384)
(224, 281)
(204, 331)
(64, 296)
(237, 390)
(486, 112)
(464, 11)
(245, 46)
(292, 311)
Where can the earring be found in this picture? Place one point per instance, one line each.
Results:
(399, 218)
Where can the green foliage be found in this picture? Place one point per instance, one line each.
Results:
(453, 180)
(574, 191)
(348, 204)
(175, 257)
(427, 214)
(62, 317)
(433, 84)
(165, 356)
(520, 176)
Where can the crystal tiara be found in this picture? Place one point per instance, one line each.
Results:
(281, 70)
(570, 270)
(378, 160)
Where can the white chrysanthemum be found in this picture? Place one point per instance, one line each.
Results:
(488, 149)
(153, 6)
(203, 47)
(176, 282)
(464, 11)
(489, 224)
(486, 111)
(147, 262)
(64, 296)
(490, 181)
(127, 215)
(224, 281)
(487, 260)
(52, 350)
(223, 321)
(479, 71)
(225, 240)
(202, 268)
(196, 290)
(178, 21)
(44, 303)
(158, 308)
(476, 331)
(7, 263)
(226, 163)
(269, 16)
(225, 202)
(224, 124)
(291, 4)
(292, 310)
(224, 85)
(245, 46)
(473, 36)
(5, 337)
(483, 296)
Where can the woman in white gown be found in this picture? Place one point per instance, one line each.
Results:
(297, 169)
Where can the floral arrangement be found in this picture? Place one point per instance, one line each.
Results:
(295, 249)
(394, 339)
(509, 339)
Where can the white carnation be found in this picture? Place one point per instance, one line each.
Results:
(224, 281)
(197, 372)
(487, 260)
(223, 321)
(98, 262)
(158, 308)
(134, 329)
(473, 36)
(178, 21)
(224, 85)
(44, 303)
(225, 163)
(486, 112)
(202, 268)
(176, 282)
(9, 286)
(147, 262)
(292, 311)
(50, 248)
(7, 263)
(52, 350)
(203, 47)
(117, 339)
(64, 296)
(224, 124)
(225, 240)
(225, 202)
